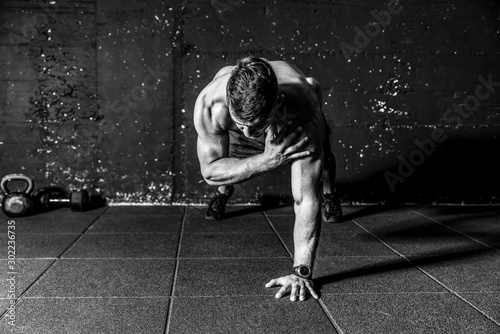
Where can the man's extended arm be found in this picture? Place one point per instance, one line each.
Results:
(306, 190)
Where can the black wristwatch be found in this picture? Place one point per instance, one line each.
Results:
(303, 271)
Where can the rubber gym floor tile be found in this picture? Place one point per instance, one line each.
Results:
(106, 278)
(83, 316)
(5, 304)
(395, 223)
(345, 244)
(253, 314)
(434, 313)
(38, 245)
(66, 222)
(18, 276)
(232, 211)
(286, 224)
(229, 277)
(58, 215)
(288, 210)
(231, 245)
(230, 225)
(371, 275)
(481, 227)
(467, 220)
(125, 246)
(146, 210)
(443, 245)
(137, 224)
(418, 235)
(466, 272)
(486, 302)
(281, 210)
(452, 211)
(374, 211)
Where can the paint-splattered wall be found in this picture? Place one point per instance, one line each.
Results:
(100, 94)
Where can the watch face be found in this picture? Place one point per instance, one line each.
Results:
(304, 271)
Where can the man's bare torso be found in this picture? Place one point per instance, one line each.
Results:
(301, 100)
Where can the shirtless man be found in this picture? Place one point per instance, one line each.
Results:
(260, 115)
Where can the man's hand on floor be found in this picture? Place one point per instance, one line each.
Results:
(296, 285)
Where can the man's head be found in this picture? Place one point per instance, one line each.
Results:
(252, 95)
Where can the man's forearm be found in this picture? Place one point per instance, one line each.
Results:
(306, 231)
(227, 171)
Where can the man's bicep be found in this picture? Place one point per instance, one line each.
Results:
(211, 148)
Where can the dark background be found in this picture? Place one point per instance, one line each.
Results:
(100, 93)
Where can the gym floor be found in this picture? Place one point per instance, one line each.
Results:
(412, 269)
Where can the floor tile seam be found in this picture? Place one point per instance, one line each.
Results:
(329, 233)
(388, 293)
(169, 313)
(330, 317)
(395, 256)
(94, 297)
(455, 230)
(140, 233)
(227, 233)
(452, 291)
(173, 258)
(130, 217)
(246, 295)
(51, 265)
(326, 311)
(283, 244)
(133, 233)
(45, 233)
(484, 313)
(30, 258)
(271, 296)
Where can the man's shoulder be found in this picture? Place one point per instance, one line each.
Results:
(211, 114)
(223, 72)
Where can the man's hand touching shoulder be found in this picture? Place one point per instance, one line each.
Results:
(280, 148)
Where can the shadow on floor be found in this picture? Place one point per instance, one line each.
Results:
(398, 264)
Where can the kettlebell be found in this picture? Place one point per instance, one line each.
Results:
(17, 203)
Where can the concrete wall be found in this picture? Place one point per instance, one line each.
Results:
(100, 94)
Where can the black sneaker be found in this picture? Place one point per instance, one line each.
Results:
(331, 211)
(217, 205)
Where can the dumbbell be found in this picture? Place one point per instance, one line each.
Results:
(17, 203)
(76, 200)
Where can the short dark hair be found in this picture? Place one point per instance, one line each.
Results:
(252, 89)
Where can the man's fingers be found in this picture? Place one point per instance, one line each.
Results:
(281, 292)
(299, 155)
(271, 283)
(303, 290)
(311, 290)
(287, 135)
(296, 147)
(271, 133)
(289, 138)
(293, 293)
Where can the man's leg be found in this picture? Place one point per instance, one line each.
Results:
(331, 210)
(239, 147)
(329, 170)
(217, 205)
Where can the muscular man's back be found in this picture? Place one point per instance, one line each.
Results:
(301, 97)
